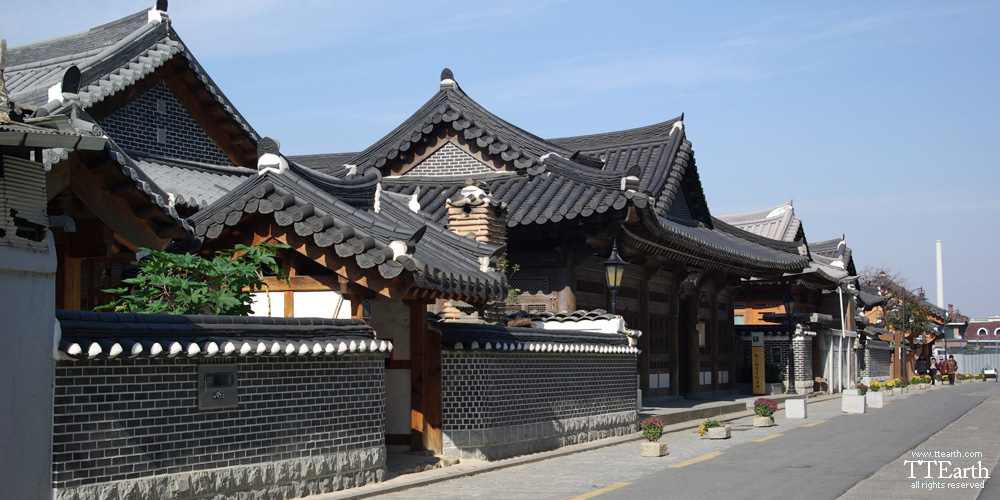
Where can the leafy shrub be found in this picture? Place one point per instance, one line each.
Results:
(765, 407)
(862, 388)
(170, 283)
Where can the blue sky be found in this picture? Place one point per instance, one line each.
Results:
(876, 118)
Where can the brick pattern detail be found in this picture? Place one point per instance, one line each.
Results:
(497, 405)
(136, 127)
(484, 223)
(876, 361)
(803, 365)
(803, 358)
(131, 419)
(449, 160)
(770, 344)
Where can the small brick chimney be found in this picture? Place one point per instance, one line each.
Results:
(475, 213)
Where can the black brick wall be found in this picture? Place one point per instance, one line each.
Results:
(134, 127)
(125, 419)
(483, 390)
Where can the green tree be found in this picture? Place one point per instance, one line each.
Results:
(896, 290)
(170, 283)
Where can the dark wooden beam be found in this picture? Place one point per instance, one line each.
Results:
(91, 187)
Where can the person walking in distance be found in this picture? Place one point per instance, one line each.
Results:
(922, 366)
(952, 369)
(933, 370)
(943, 368)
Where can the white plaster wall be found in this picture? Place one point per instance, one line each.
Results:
(27, 313)
(326, 304)
(391, 321)
(321, 305)
(261, 301)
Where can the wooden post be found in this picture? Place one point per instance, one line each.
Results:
(425, 382)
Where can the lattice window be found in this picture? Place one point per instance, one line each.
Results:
(659, 342)
(532, 284)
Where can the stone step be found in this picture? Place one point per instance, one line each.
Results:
(409, 463)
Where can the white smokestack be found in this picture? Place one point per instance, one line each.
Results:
(940, 277)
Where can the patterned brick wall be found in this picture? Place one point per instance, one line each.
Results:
(156, 123)
(803, 364)
(449, 160)
(776, 351)
(497, 405)
(876, 361)
(319, 420)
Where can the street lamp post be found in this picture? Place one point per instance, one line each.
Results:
(789, 301)
(614, 270)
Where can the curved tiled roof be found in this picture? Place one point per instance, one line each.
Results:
(111, 58)
(776, 223)
(453, 109)
(89, 335)
(193, 185)
(432, 257)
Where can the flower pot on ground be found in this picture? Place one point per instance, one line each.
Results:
(713, 429)
(875, 399)
(652, 430)
(651, 449)
(763, 421)
(862, 389)
(764, 408)
(718, 433)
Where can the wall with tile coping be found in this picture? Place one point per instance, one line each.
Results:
(302, 426)
(156, 123)
(497, 405)
(876, 361)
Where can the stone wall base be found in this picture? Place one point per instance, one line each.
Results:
(505, 442)
(292, 478)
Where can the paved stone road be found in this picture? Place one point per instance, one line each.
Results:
(602, 473)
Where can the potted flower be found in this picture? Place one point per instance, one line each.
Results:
(875, 397)
(862, 389)
(903, 384)
(713, 429)
(890, 387)
(652, 429)
(764, 408)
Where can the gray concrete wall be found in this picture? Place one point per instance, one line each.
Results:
(27, 314)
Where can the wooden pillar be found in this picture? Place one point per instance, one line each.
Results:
(675, 348)
(68, 282)
(713, 336)
(289, 295)
(643, 326)
(425, 382)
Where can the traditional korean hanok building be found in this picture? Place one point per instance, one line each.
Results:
(824, 305)
(914, 341)
(166, 123)
(358, 251)
(562, 205)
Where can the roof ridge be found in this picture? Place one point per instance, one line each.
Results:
(138, 15)
(655, 126)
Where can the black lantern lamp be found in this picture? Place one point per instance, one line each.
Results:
(789, 301)
(614, 270)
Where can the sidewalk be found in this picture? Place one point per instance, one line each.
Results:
(679, 414)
